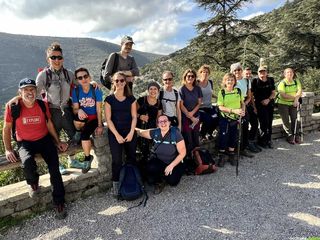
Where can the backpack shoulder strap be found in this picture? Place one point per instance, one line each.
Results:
(115, 63)
(15, 114)
(66, 75)
(43, 108)
(48, 77)
(93, 91)
(223, 93)
(161, 95)
(176, 95)
(211, 83)
(173, 135)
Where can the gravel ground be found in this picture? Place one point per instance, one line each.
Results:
(275, 196)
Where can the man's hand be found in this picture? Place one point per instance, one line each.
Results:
(62, 146)
(11, 156)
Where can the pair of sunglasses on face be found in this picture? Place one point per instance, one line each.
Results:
(56, 57)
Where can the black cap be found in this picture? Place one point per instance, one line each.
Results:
(27, 82)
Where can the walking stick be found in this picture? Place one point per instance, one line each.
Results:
(300, 119)
(239, 144)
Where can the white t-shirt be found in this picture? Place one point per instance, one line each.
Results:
(243, 85)
(169, 102)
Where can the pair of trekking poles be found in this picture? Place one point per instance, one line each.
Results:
(298, 118)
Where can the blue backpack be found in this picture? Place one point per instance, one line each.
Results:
(131, 185)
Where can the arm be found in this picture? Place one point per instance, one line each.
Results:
(181, 148)
(179, 114)
(145, 133)
(134, 68)
(76, 110)
(196, 108)
(61, 146)
(6, 136)
(133, 122)
(248, 98)
(111, 127)
(99, 129)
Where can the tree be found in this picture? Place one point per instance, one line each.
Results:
(225, 39)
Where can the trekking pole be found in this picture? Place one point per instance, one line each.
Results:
(300, 119)
(239, 144)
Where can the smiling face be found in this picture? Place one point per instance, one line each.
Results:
(238, 73)
(55, 59)
(83, 78)
(288, 73)
(262, 75)
(28, 95)
(163, 123)
(126, 47)
(167, 80)
(153, 91)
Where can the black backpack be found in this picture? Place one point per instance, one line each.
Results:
(161, 93)
(15, 114)
(131, 185)
(107, 81)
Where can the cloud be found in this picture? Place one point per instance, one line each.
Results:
(264, 3)
(252, 15)
(152, 23)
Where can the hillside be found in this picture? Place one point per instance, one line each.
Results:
(22, 55)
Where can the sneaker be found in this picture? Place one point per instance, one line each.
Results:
(72, 163)
(252, 148)
(34, 190)
(245, 153)
(290, 140)
(297, 140)
(62, 170)
(158, 187)
(60, 211)
(87, 164)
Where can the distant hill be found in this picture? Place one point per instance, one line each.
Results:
(22, 55)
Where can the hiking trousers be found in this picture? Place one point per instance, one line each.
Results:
(287, 112)
(48, 151)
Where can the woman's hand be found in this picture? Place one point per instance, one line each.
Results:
(168, 170)
(239, 112)
(144, 118)
(129, 137)
(62, 146)
(99, 131)
(82, 115)
(120, 139)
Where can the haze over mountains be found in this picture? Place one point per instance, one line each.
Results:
(22, 55)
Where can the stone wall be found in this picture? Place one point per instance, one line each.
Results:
(15, 201)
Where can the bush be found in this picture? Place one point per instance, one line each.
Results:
(310, 80)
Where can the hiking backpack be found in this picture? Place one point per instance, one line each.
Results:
(107, 81)
(130, 184)
(175, 93)
(15, 114)
(203, 161)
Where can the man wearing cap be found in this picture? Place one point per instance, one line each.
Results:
(122, 61)
(245, 86)
(263, 89)
(35, 133)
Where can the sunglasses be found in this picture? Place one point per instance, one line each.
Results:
(190, 76)
(83, 77)
(238, 70)
(163, 121)
(56, 57)
(119, 80)
(167, 79)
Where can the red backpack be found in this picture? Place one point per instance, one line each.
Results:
(203, 161)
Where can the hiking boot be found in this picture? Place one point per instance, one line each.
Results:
(245, 153)
(252, 148)
(270, 144)
(257, 147)
(87, 164)
(290, 140)
(158, 187)
(262, 144)
(60, 211)
(34, 190)
(222, 159)
(297, 140)
(115, 189)
(62, 169)
(232, 159)
(72, 163)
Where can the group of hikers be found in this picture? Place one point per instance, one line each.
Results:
(165, 125)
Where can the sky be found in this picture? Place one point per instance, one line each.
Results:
(157, 26)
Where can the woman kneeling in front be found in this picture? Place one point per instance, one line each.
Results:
(168, 151)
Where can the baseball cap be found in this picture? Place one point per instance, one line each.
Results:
(27, 82)
(235, 66)
(126, 39)
(262, 68)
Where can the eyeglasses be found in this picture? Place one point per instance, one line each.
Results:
(167, 79)
(163, 121)
(56, 57)
(190, 76)
(119, 80)
(83, 77)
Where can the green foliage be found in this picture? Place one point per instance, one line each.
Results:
(310, 80)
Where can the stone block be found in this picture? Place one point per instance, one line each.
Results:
(104, 186)
(76, 186)
(6, 210)
(72, 196)
(22, 214)
(26, 203)
(91, 191)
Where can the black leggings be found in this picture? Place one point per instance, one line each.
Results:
(155, 170)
